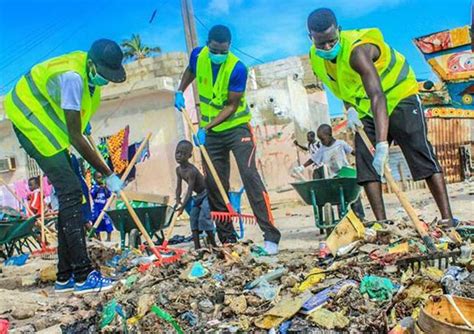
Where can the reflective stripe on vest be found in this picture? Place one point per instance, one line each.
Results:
(45, 103)
(396, 76)
(31, 109)
(33, 119)
(213, 95)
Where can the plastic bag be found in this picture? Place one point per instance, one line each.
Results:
(160, 313)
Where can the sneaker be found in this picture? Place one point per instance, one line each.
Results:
(271, 248)
(64, 286)
(95, 282)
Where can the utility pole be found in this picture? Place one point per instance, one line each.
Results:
(189, 24)
(191, 38)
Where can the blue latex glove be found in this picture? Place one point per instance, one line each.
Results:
(200, 137)
(380, 157)
(88, 129)
(353, 121)
(179, 100)
(114, 183)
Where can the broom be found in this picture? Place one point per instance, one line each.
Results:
(231, 215)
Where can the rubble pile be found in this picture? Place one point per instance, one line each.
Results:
(239, 289)
(380, 280)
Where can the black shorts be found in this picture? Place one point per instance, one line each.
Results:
(408, 128)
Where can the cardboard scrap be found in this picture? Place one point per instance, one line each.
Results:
(329, 320)
(282, 311)
(349, 229)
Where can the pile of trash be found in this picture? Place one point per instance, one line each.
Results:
(379, 279)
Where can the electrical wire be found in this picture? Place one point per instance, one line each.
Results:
(22, 49)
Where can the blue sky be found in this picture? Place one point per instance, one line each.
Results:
(34, 30)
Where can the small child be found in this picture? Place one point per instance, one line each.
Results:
(333, 154)
(100, 193)
(200, 214)
(34, 201)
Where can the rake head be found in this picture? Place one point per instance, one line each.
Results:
(164, 255)
(46, 252)
(229, 217)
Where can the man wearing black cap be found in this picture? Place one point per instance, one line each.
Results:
(50, 107)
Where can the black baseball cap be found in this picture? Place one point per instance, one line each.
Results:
(107, 57)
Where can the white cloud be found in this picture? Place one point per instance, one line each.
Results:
(222, 7)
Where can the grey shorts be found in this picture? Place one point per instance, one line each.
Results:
(200, 215)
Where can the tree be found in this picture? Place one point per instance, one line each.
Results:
(133, 48)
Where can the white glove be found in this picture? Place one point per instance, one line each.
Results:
(114, 183)
(353, 121)
(298, 169)
(380, 157)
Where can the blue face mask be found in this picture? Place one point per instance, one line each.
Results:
(97, 79)
(330, 54)
(218, 58)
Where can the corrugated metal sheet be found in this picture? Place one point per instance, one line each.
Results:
(446, 136)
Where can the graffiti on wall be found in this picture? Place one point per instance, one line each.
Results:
(450, 56)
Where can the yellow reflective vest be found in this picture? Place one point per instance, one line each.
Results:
(32, 110)
(397, 77)
(213, 97)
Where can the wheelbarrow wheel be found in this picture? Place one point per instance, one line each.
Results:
(134, 239)
(328, 217)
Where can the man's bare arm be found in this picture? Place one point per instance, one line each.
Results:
(231, 107)
(300, 146)
(79, 142)
(186, 79)
(362, 61)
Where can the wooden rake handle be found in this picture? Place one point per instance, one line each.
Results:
(41, 220)
(123, 178)
(169, 232)
(209, 163)
(137, 221)
(400, 194)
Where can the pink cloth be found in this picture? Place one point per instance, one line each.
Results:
(4, 325)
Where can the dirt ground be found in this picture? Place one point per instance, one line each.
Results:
(22, 300)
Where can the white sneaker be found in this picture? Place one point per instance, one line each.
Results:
(271, 248)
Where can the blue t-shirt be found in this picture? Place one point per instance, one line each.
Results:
(238, 77)
(99, 196)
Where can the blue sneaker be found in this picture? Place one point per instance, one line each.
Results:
(95, 282)
(64, 286)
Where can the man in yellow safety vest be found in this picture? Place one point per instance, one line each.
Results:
(50, 108)
(224, 127)
(379, 90)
